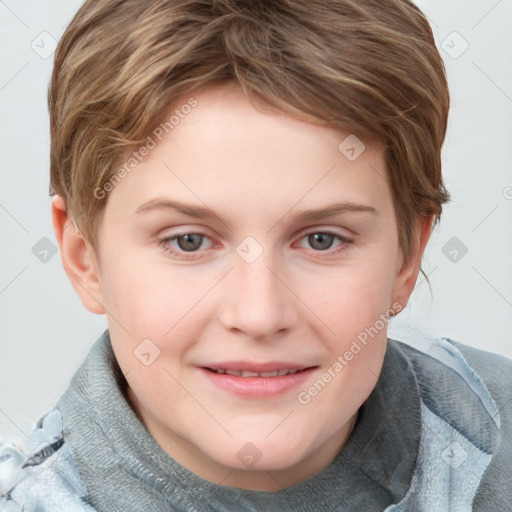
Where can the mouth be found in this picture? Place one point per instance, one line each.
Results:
(245, 373)
(264, 384)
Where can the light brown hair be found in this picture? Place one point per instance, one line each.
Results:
(370, 67)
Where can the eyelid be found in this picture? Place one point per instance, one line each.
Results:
(171, 238)
(344, 242)
(333, 230)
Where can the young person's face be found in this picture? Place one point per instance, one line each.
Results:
(255, 283)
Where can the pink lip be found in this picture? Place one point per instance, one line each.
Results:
(258, 387)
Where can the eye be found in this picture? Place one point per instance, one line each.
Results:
(323, 240)
(188, 245)
(185, 243)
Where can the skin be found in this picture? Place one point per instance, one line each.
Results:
(295, 302)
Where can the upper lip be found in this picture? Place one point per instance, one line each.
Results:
(247, 366)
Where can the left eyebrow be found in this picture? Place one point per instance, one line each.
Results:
(304, 215)
(335, 209)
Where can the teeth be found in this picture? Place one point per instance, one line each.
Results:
(250, 374)
(269, 374)
(239, 373)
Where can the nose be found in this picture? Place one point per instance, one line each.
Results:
(257, 300)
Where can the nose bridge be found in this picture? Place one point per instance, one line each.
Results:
(257, 301)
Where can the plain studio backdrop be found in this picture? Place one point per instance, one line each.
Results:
(46, 332)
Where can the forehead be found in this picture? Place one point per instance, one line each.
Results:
(226, 154)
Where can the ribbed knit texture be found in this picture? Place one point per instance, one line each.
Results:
(124, 468)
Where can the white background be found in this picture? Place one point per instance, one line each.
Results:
(45, 332)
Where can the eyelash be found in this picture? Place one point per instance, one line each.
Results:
(164, 243)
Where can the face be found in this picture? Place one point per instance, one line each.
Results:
(248, 242)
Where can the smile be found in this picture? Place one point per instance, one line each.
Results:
(241, 373)
(258, 385)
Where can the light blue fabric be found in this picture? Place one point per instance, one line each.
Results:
(448, 472)
(444, 351)
(37, 478)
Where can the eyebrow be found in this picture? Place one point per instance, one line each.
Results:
(304, 215)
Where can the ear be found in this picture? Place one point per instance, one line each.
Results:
(408, 270)
(78, 258)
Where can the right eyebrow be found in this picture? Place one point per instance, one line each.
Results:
(187, 209)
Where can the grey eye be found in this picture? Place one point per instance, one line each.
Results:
(190, 241)
(321, 241)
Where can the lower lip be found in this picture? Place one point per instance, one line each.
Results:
(258, 387)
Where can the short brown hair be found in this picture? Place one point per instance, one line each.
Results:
(370, 67)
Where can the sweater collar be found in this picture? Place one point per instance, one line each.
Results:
(124, 468)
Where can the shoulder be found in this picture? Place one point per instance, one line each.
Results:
(448, 371)
(494, 369)
(470, 390)
(40, 473)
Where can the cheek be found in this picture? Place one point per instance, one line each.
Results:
(147, 298)
(356, 344)
(353, 304)
(352, 299)
(147, 305)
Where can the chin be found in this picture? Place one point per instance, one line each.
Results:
(259, 455)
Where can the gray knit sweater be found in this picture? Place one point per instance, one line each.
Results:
(435, 435)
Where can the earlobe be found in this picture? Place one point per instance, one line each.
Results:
(77, 258)
(407, 275)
